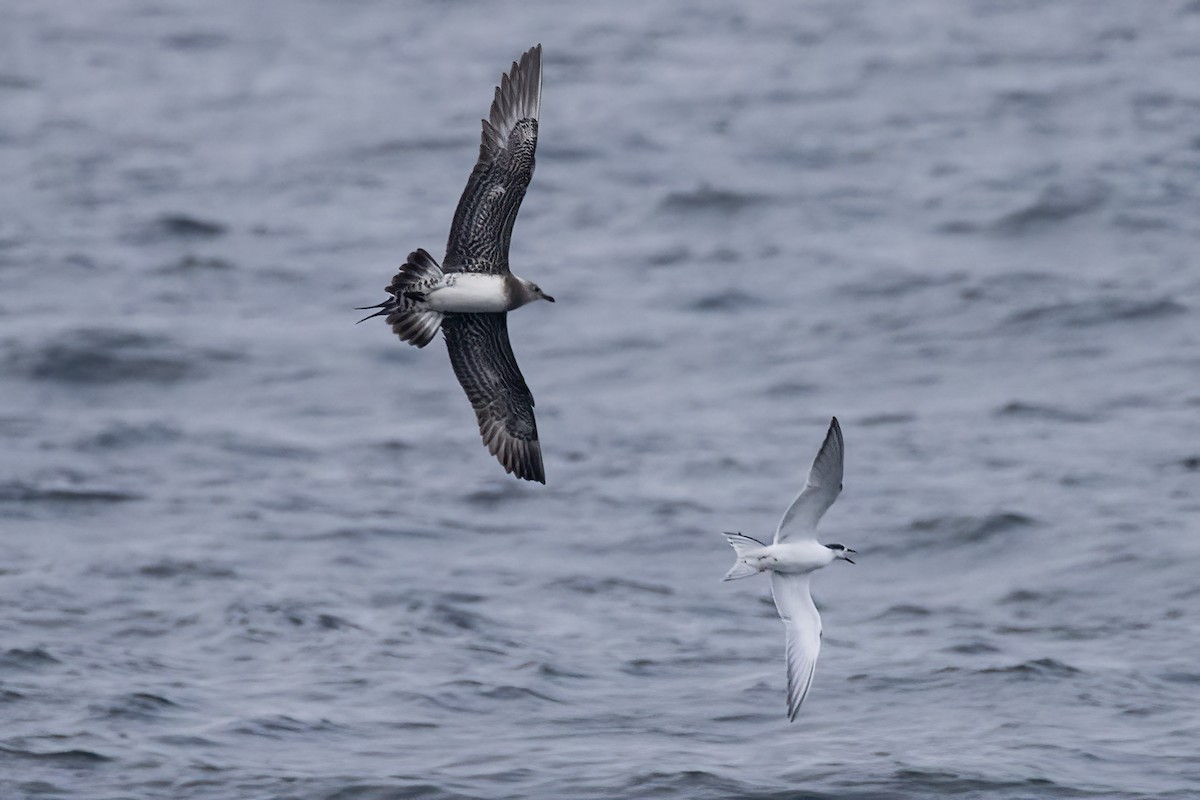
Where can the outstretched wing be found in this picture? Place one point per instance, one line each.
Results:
(488, 207)
(802, 624)
(823, 486)
(484, 363)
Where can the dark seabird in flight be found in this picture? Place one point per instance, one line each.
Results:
(470, 294)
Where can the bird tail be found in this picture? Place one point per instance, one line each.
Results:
(742, 546)
(411, 319)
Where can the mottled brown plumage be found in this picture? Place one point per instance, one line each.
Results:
(469, 294)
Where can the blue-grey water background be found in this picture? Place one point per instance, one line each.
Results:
(251, 550)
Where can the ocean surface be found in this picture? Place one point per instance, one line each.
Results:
(250, 550)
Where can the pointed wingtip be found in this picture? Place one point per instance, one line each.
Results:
(518, 96)
(520, 458)
(835, 431)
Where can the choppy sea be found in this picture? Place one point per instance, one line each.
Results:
(251, 550)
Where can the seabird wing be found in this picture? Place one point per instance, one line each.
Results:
(802, 624)
(823, 486)
(483, 221)
(484, 363)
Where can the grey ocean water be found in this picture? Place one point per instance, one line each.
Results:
(250, 550)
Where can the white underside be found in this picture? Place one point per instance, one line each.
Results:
(468, 293)
(790, 558)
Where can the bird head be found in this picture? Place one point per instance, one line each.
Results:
(841, 552)
(536, 293)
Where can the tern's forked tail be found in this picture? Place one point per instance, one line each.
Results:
(411, 319)
(742, 546)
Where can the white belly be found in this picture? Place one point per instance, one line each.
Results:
(796, 558)
(469, 293)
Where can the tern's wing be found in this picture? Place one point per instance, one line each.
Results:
(823, 486)
(483, 221)
(484, 363)
(803, 626)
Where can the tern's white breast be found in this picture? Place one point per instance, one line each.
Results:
(469, 293)
(798, 557)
